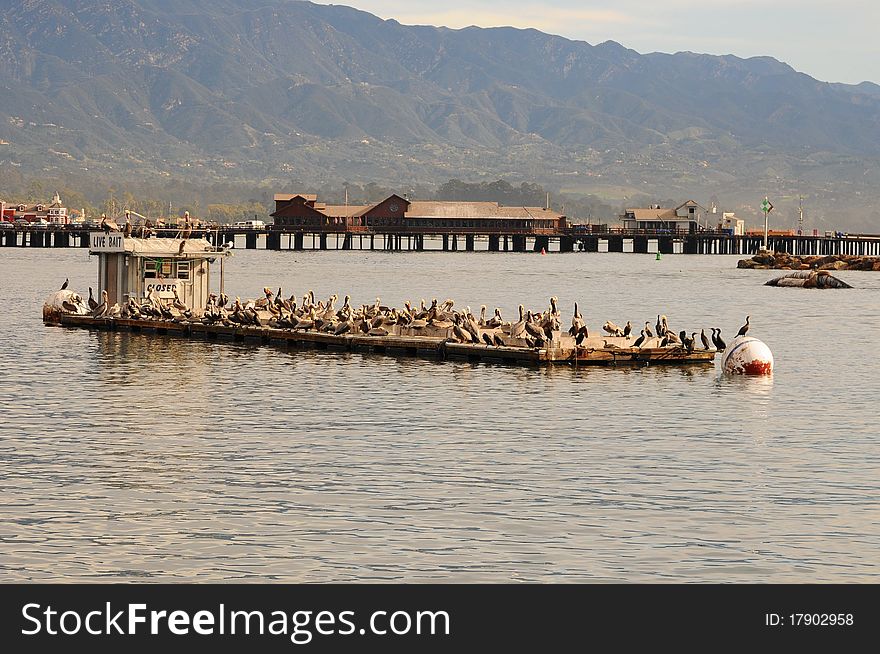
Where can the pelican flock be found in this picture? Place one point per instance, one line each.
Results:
(534, 328)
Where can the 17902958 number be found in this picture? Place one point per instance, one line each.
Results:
(821, 619)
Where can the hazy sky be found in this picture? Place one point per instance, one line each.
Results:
(835, 41)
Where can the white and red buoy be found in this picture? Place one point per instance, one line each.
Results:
(746, 355)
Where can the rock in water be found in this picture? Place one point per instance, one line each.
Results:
(809, 279)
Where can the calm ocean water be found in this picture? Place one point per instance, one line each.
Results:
(129, 457)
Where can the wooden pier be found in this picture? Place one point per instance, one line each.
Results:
(432, 347)
(574, 239)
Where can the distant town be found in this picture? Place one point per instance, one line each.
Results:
(305, 211)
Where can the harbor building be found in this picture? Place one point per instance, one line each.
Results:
(396, 213)
(167, 267)
(686, 218)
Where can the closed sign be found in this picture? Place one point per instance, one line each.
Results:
(164, 288)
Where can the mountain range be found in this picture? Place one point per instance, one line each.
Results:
(280, 90)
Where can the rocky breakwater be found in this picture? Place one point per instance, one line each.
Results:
(784, 261)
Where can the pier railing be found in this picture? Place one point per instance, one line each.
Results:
(588, 238)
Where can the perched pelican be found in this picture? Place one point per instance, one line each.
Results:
(703, 339)
(100, 310)
(108, 225)
(518, 328)
(611, 328)
(495, 321)
(744, 329)
(461, 334)
(533, 330)
(577, 322)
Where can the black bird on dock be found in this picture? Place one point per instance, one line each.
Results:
(648, 331)
(659, 326)
(704, 339)
(64, 285)
(745, 328)
(627, 330)
(487, 339)
(720, 345)
(499, 342)
(93, 304)
(640, 339)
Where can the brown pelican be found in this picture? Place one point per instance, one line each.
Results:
(577, 321)
(495, 321)
(344, 327)
(554, 308)
(532, 329)
(611, 328)
(517, 328)
(180, 306)
(100, 310)
(461, 334)
(703, 339)
(744, 329)
(108, 225)
(482, 321)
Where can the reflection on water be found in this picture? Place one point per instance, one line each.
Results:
(130, 456)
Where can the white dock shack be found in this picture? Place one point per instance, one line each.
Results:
(132, 267)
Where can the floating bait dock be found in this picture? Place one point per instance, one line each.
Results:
(432, 347)
(159, 286)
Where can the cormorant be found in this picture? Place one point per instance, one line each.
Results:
(745, 328)
(640, 339)
(704, 340)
